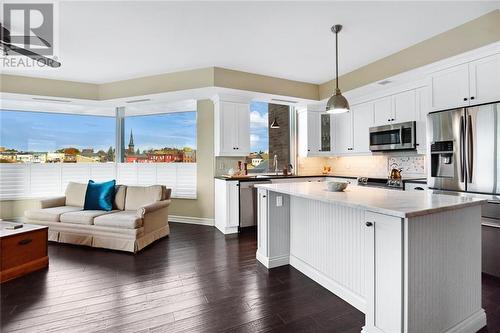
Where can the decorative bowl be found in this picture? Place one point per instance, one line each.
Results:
(336, 186)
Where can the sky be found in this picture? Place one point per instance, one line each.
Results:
(259, 130)
(39, 131)
(173, 130)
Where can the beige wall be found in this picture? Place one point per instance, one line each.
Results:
(202, 207)
(471, 35)
(16, 208)
(17, 84)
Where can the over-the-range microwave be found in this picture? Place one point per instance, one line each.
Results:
(401, 136)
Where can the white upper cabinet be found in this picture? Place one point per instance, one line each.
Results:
(422, 109)
(484, 75)
(232, 129)
(450, 88)
(404, 106)
(343, 132)
(362, 120)
(397, 108)
(472, 83)
(316, 133)
(383, 111)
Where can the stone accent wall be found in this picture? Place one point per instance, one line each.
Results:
(279, 138)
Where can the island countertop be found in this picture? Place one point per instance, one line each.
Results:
(385, 201)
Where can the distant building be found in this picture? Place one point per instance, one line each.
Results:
(131, 147)
(55, 157)
(189, 156)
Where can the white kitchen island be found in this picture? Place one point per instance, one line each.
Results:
(411, 261)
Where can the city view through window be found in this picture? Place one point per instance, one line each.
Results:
(161, 138)
(39, 137)
(258, 159)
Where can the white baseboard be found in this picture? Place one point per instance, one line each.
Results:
(471, 324)
(272, 262)
(227, 230)
(191, 220)
(350, 297)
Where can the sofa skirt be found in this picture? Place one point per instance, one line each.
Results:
(129, 240)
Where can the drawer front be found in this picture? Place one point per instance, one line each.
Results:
(23, 248)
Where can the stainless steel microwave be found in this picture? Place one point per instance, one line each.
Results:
(400, 136)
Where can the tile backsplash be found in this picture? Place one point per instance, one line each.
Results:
(369, 166)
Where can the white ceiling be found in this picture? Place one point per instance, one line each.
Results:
(116, 40)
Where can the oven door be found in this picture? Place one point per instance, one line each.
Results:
(400, 136)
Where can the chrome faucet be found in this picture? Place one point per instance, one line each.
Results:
(275, 163)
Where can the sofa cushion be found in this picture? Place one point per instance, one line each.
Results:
(75, 194)
(120, 191)
(100, 196)
(126, 219)
(138, 196)
(82, 216)
(50, 214)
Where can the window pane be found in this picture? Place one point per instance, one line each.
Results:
(258, 160)
(161, 138)
(39, 137)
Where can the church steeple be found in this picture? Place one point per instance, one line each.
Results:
(131, 143)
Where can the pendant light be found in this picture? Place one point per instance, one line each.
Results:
(337, 103)
(275, 124)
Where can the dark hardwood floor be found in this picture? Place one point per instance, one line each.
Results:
(196, 280)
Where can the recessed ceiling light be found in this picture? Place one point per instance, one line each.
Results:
(283, 100)
(138, 100)
(52, 100)
(384, 82)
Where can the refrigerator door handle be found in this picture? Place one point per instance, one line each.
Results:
(462, 148)
(470, 150)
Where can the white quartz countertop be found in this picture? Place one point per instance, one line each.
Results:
(385, 201)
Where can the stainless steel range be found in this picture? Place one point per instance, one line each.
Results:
(394, 184)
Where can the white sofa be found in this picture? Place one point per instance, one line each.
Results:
(139, 217)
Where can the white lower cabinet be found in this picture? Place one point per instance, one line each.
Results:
(384, 273)
(227, 205)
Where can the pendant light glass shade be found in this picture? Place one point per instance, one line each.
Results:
(337, 103)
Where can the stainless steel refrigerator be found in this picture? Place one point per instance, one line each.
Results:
(465, 149)
(464, 156)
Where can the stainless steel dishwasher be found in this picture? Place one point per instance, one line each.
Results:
(248, 202)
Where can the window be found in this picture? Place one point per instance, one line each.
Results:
(258, 160)
(266, 142)
(161, 138)
(42, 137)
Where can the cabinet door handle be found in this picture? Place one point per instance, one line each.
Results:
(389, 119)
(24, 241)
(368, 224)
(263, 196)
(472, 97)
(465, 98)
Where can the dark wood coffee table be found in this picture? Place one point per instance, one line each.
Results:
(22, 250)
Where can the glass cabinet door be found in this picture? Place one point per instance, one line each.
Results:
(325, 130)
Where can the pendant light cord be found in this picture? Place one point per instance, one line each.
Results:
(336, 60)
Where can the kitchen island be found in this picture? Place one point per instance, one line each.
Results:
(411, 261)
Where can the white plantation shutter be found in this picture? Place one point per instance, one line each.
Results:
(186, 180)
(102, 172)
(126, 173)
(166, 174)
(146, 174)
(43, 180)
(13, 181)
(74, 172)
